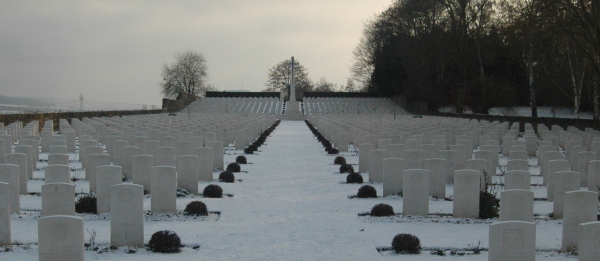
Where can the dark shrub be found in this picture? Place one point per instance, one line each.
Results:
(406, 244)
(339, 160)
(234, 167)
(227, 176)
(164, 241)
(248, 150)
(367, 191)
(253, 147)
(488, 205)
(195, 208)
(241, 160)
(86, 204)
(333, 151)
(382, 210)
(354, 178)
(212, 191)
(346, 168)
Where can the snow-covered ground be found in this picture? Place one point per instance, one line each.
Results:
(292, 204)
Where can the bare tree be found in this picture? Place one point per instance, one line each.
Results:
(186, 76)
(280, 79)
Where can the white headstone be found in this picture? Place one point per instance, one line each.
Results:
(166, 156)
(466, 193)
(61, 238)
(438, 171)
(522, 165)
(565, 181)
(516, 205)
(58, 199)
(5, 198)
(218, 154)
(205, 163)
(594, 176)
(517, 179)
(127, 215)
(413, 159)
(589, 241)
(415, 189)
(363, 156)
(9, 174)
(57, 174)
(376, 165)
(20, 160)
(451, 156)
(512, 240)
(187, 173)
(393, 169)
(583, 162)
(58, 158)
(164, 190)
(580, 207)
(94, 161)
(553, 167)
(141, 167)
(106, 176)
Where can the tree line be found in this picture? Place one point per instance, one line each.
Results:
(479, 54)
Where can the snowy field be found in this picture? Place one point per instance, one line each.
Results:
(292, 204)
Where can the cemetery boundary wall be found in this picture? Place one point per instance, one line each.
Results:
(243, 94)
(563, 122)
(55, 116)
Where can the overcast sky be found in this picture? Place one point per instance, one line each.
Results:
(114, 50)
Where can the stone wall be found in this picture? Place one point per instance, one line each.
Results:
(42, 117)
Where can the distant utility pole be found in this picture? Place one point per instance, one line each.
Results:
(81, 102)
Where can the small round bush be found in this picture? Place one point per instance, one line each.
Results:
(489, 205)
(241, 160)
(248, 150)
(382, 210)
(234, 167)
(227, 176)
(346, 168)
(354, 178)
(367, 191)
(339, 160)
(164, 241)
(333, 151)
(406, 244)
(195, 208)
(212, 191)
(86, 204)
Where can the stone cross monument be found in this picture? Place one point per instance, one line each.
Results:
(293, 82)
